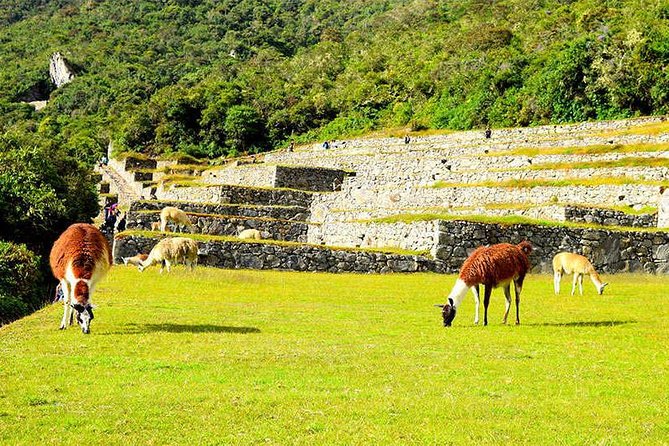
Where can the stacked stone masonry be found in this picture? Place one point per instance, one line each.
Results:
(315, 179)
(238, 194)
(608, 217)
(244, 255)
(295, 213)
(284, 230)
(609, 251)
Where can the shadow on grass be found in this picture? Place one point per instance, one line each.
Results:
(585, 324)
(186, 328)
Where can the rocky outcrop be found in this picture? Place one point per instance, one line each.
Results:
(60, 71)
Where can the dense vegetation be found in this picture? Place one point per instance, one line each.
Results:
(43, 189)
(219, 77)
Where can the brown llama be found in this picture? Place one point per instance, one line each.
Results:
(490, 266)
(79, 259)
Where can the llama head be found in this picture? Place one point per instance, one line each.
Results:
(447, 312)
(84, 316)
(600, 288)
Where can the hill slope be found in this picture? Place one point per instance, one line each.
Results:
(212, 78)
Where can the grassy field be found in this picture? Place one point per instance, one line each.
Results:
(245, 357)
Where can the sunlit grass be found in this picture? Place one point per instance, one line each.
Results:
(624, 162)
(654, 128)
(584, 150)
(500, 220)
(242, 357)
(565, 182)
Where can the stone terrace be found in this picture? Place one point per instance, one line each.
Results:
(331, 197)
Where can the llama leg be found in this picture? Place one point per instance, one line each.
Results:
(573, 285)
(518, 288)
(167, 265)
(477, 302)
(163, 224)
(66, 304)
(556, 281)
(507, 294)
(487, 291)
(580, 283)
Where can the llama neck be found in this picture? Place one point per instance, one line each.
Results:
(458, 292)
(595, 278)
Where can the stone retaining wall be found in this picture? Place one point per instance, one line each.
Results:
(271, 229)
(415, 236)
(241, 255)
(237, 195)
(309, 178)
(608, 217)
(259, 175)
(295, 213)
(402, 198)
(315, 179)
(609, 251)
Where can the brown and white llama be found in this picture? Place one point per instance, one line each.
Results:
(135, 260)
(79, 259)
(491, 266)
(578, 265)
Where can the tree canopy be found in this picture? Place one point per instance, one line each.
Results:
(212, 78)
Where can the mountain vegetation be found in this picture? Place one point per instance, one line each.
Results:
(216, 78)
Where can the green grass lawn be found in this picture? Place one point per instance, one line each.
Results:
(246, 357)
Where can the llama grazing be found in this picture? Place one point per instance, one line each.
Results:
(135, 260)
(79, 259)
(578, 265)
(250, 234)
(490, 266)
(172, 250)
(175, 215)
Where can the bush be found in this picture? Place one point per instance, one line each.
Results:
(20, 280)
(11, 309)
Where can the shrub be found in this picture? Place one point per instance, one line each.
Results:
(20, 280)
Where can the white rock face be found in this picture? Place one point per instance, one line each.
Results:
(59, 70)
(663, 210)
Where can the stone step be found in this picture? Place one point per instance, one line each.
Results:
(233, 194)
(227, 225)
(294, 213)
(312, 178)
(393, 197)
(547, 212)
(235, 254)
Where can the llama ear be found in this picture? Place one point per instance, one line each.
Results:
(440, 305)
(604, 284)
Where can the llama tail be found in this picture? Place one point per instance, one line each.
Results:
(525, 247)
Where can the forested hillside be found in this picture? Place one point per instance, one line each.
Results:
(214, 78)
